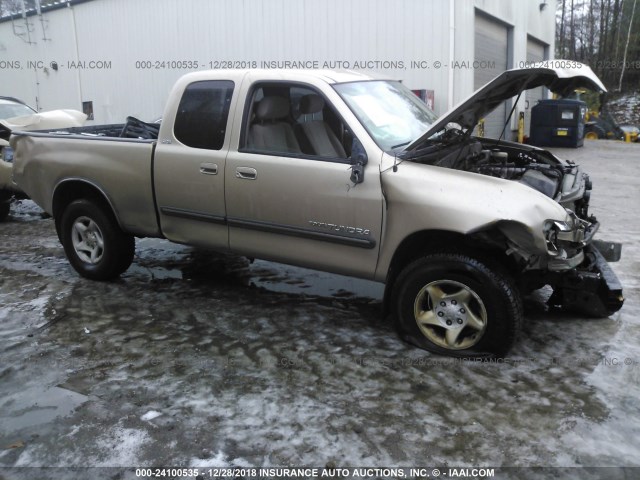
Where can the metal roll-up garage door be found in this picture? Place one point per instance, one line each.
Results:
(535, 53)
(491, 50)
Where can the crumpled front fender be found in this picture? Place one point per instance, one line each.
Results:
(423, 197)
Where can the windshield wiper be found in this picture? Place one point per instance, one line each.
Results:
(401, 144)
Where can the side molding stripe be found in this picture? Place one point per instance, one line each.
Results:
(191, 215)
(302, 233)
(271, 228)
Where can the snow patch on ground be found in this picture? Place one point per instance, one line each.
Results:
(219, 460)
(150, 415)
(117, 447)
(26, 210)
(122, 446)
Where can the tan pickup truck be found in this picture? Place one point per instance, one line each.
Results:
(342, 172)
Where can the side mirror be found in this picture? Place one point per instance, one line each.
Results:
(358, 161)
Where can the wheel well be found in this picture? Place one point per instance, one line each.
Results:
(70, 191)
(488, 244)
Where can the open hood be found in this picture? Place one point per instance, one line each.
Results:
(484, 100)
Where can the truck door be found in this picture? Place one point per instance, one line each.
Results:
(189, 166)
(289, 194)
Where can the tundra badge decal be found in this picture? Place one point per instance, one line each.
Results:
(340, 228)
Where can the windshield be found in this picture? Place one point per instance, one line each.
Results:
(392, 114)
(10, 109)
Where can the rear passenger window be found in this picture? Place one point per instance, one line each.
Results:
(202, 115)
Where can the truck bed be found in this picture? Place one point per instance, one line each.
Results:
(133, 128)
(115, 159)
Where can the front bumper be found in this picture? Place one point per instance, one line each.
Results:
(593, 288)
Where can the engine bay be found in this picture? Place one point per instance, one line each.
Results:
(520, 166)
(538, 169)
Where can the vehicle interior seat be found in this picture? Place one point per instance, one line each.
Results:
(321, 138)
(270, 130)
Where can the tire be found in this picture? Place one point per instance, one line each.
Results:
(4, 210)
(595, 133)
(454, 304)
(94, 243)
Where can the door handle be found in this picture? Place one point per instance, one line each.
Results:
(209, 168)
(246, 173)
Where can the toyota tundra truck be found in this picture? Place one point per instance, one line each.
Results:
(342, 172)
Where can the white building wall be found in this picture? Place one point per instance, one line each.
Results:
(41, 87)
(124, 33)
(524, 18)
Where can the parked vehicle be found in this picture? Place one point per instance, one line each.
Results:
(602, 125)
(631, 131)
(12, 107)
(15, 114)
(9, 107)
(345, 173)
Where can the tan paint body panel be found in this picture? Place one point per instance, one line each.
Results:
(292, 192)
(423, 197)
(184, 176)
(37, 121)
(120, 169)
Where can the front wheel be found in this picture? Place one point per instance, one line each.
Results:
(94, 243)
(457, 305)
(594, 133)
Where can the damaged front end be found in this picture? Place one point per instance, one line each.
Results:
(547, 242)
(575, 264)
(559, 251)
(578, 271)
(592, 288)
(577, 268)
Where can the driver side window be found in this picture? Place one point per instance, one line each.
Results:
(294, 120)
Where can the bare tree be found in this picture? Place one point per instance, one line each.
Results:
(591, 24)
(601, 34)
(562, 29)
(619, 29)
(626, 47)
(572, 47)
(13, 7)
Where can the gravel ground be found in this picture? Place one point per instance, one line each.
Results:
(195, 359)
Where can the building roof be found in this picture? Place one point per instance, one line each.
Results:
(13, 10)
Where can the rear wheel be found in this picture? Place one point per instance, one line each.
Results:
(457, 305)
(94, 243)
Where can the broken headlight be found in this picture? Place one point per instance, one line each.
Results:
(552, 229)
(573, 232)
